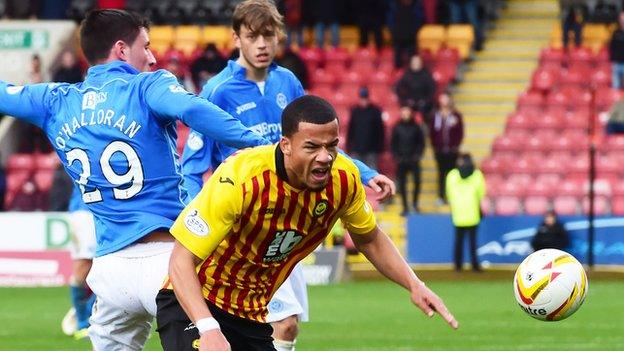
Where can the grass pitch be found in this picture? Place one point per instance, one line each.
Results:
(373, 316)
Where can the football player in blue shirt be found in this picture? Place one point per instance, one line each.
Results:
(115, 134)
(256, 90)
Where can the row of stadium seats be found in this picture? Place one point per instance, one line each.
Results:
(594, 35)
(563, 205)
(542, 159)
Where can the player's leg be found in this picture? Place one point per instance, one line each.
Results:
(177, 332)
(82, 252)
(288, 306)
(120, 319)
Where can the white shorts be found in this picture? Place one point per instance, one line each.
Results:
(82, 231)
(126, 283)
(290, 299)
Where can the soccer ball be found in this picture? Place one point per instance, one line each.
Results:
(550, 285)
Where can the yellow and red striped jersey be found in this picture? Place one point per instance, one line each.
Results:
(251, 227)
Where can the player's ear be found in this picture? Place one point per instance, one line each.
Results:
(237, 40)
(285, 145)
(119, 50)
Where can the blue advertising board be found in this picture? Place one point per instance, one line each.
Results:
(507, 239)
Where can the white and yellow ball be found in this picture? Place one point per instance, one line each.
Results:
(550, 285)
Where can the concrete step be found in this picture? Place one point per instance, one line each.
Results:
(478, 75)
(500, 66)
(508, 54)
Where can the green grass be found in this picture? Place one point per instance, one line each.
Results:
(374, 316)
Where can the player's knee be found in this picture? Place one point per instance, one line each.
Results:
(286, 329)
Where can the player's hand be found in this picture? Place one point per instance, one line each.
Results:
(213, 340)
(383, 186)
(430, 304)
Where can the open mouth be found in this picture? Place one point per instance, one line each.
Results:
(320, 173)
(262, 57)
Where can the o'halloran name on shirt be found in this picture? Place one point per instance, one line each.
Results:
(96, 118)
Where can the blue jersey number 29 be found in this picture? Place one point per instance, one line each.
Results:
(134, 175)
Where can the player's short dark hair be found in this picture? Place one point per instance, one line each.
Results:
(258, 15)
(101, 28)
(308, 108)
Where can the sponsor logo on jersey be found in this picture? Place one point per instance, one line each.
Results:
(320, 208)
(12, 90)
(268, 130)
(283, 244)
(195, 224)
(92, 98)
(195, 142)
(245, 107)
(281, 100)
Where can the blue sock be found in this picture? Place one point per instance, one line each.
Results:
(82, 299)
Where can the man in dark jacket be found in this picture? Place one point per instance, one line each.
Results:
(207, 65)
(616, 54)
(446, 129)
(69, 71)
(407, 146)
(365, 138)
(406, 18)
(416, 88)
(551, 234)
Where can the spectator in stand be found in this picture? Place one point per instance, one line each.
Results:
(430, 11)
(207, 65)
(572, 19)
(615, 123)
(292, 10)
(69, 71)
(416, 88)
(465, 187)
(174, 65)
(325, 14)
(3, 186)
(550, 234)
(407, 146)
(112, 4)
(22, 9)
(365, 138)
(28, 199)
(616, 53)
(406, 18)
(467, 11)
(369, 19)
(288, 58)
(446, 129)
(61, 190)
(35, 75)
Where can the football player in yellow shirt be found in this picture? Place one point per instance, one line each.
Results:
(261, 212)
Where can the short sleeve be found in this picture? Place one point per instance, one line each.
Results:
(208, 219)
(359, 217)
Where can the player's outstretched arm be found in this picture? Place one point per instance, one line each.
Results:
(28, 102)
(382, 253)
(168, 100)
(188, 292)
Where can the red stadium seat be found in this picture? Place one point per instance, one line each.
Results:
(580, 55)
(47, 161)
(606, 97)
(601, 77)
(323, 91)
(552, 55)
(365, 54)
(544, 79)
(601, 205)
(448, 55)
(512, 189)
(336, 69)
(565, 205)
(364, 68)
(380, 78)
(23, 162)
(353, 77)
(487, 206)
(550, 180)
(617, 206)
(530, 99)
(520, 120)
(494, 165)
(337, 55)
(550, 120)
(575, 77)
(321, 76)
(507, 206)
(44, 179)
(504, 143)
(571, 187)
(536, 205)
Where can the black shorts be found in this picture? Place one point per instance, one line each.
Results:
(177, 332)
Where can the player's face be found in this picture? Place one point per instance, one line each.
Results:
(139, 55)
(257, 48)
(310, 154)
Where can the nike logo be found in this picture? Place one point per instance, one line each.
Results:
(226, 180)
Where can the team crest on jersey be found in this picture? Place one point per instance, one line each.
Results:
(92, 98)
(195, 141)
(320, 208)
(281, 100)
(283, 244)
(195, 224)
